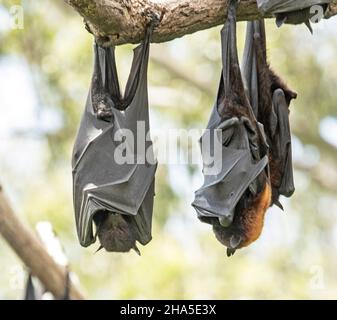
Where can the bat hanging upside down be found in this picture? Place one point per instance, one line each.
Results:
(235, 202)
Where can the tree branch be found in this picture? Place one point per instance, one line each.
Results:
(123, 21)
(31, 251)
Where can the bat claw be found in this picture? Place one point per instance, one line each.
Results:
(137, 250)
(307, 23)
(100, 248)
(279, 204)
(280, 21)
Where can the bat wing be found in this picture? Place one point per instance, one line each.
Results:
(276, 6)
(273, 110)
(283, 143)
(249, 69)
(30, 292)
(234, 172)
(233, 140)
(110, 171)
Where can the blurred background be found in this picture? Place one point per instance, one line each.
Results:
(45, 73)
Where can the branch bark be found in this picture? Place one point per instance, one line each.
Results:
(31, 251)
(123, 21)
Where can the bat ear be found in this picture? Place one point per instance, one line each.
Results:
(280, 20)
(230, 252)
(235, 241)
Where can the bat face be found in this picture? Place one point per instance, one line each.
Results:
(248, 221)
(114, 232)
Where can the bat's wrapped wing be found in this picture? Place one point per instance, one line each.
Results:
(234, 168)
(293, 11)
(234, 141)
(36, 291)
(30, 291)
(267, 96)
(113, 163)
(278, 6)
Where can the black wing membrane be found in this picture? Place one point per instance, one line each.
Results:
(283, 142)
(232, 128)
(277, 6)
(113, 180)
(293, 11)
(30, 291)
(270, 99)
(33, 292)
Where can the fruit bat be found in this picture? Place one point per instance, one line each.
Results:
(270, 99)
(234, 200)
(293, 11)
(109, 191)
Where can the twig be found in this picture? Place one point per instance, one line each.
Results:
(32, 252)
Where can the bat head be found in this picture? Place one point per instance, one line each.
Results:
(231, 237)
(114, 232)
(247, 224)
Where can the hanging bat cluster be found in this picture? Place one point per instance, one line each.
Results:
(252, 114)
(249, 120)
(116, 198)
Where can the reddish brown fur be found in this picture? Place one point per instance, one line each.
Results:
(248, 220)
(269, 81)
(252, 219)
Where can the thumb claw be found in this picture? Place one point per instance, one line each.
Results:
(307, 23)
(279, 204)
(280, 20)
(137, 250)
(100, 248)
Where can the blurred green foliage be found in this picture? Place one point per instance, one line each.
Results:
(296, 255)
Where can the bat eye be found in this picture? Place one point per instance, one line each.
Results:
(231, 194)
